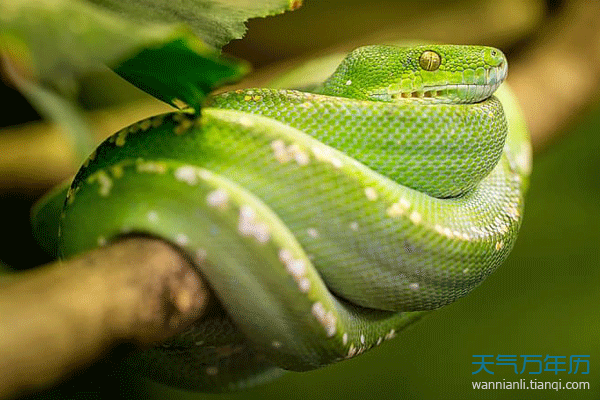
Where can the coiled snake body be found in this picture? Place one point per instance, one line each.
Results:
(324, 221)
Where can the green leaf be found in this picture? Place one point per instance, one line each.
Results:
(50, 45)
(57, 41)
(216, 22)
(181, 72)
(64, 110)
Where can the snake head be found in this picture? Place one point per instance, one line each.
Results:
(427, 73)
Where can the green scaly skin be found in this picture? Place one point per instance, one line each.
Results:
(325, 222)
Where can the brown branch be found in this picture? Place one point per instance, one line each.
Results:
(64, 316)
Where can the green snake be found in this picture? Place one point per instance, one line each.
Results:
(325, 220)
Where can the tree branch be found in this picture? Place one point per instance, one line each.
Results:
(63, 316)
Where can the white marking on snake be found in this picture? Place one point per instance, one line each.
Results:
(105, 183)
(285, 256)
(278, 145)
(117, 171)
(414, 286)
(246, 220)
(371, 194)
(280, 151)
(351, 351)
(284, 154)
(336, 162)
(499, 245)
(153, 216)
(391, 334)
(362, 339)
(348, 82)
(304, 285)
(415, 217)
(296, 268)
(318, 310)
(313, 233)
(217, 198)
(201, 255)
(245, 121)
(182, 239)
(121, 137)
(89, 159)
(326, 156)
(186, 174)
(262, 232)
(329, 325)
(276, 344)
(151, 167)
(248, 226)
(344, 338)
(145, 124)
(101, 241)
(70, 197)
(399, 208)
(326, 319)
(354, 226)
(301, 157)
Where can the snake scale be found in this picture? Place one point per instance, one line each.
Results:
(324, 220)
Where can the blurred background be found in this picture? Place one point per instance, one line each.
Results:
(545, 300)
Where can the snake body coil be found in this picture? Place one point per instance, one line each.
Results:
(325, 221)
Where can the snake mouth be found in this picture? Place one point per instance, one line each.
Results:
(474, 90)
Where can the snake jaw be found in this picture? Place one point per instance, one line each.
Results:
(450, 93)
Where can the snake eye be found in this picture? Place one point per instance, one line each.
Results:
(430, 60)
